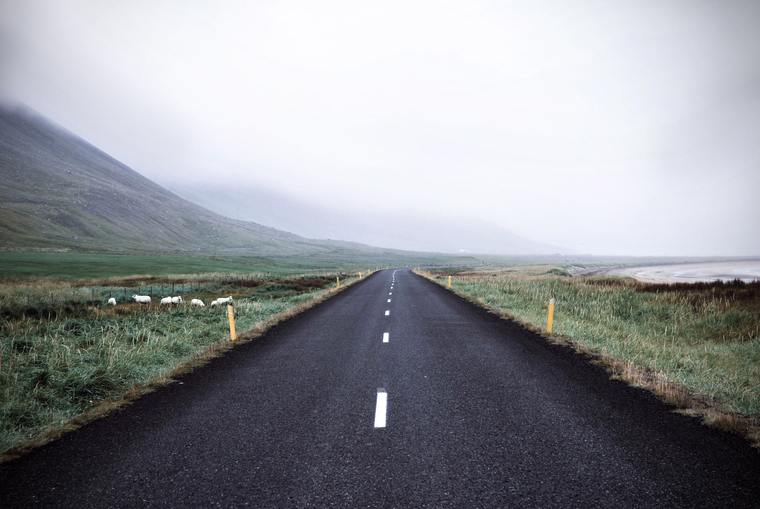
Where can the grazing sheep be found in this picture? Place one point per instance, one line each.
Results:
(221, 300)
(166, 300)
(176, 300)
(111, 301)
(197, 302)
(142, 299)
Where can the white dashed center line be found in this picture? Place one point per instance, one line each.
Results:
(381, 408)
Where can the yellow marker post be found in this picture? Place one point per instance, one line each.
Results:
(337, 282)
(449, 281)
(231, 318)
(550, 317)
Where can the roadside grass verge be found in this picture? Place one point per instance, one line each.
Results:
(695, 345)
(66, 358)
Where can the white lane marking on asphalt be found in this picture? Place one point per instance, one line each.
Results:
(390, 293)
(387, 312)
(381, 408)
(386, 337)
(389, 300)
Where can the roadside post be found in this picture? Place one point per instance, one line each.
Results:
(449, 281)
(550, 316)
(337, 282)
(231, 318)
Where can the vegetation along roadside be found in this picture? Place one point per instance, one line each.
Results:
(66, 356)
(695, 345)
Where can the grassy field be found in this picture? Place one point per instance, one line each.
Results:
(78, 265)
(704, 338)
(64, 352)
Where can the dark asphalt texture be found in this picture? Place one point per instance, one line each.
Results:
(481, 413)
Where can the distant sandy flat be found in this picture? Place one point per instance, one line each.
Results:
(747, 271)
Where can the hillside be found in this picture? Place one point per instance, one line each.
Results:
(61, 192)
(429, 231)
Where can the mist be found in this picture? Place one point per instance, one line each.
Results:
(620, 128)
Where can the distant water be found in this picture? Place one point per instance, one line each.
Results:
(694, 272)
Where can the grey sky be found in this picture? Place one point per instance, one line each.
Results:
(626, 127)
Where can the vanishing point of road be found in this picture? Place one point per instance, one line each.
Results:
(393, 393)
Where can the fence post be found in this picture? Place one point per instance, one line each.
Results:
(231, 319)
(550, 316)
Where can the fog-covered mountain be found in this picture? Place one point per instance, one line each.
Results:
(399, 230)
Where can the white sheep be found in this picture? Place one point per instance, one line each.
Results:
(166, 300)
(111, 301)
(197, 302)
(141, 299)
(176, 300)
(221, 300)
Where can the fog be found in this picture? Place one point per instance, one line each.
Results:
(626, 128)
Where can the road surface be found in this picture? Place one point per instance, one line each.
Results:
(423, 401)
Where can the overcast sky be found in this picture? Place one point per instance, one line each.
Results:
(625, 127)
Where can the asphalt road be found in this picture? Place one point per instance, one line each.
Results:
(480, 413)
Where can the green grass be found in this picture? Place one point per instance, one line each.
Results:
(62, 351)
(704, 337)
(77, 265)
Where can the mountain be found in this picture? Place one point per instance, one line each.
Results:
(61, 192)
(399, 230)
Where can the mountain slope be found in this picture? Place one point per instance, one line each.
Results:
(61, 192)
(432, 232)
